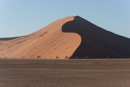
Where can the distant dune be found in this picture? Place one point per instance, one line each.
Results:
(5, 39)
(70, 37)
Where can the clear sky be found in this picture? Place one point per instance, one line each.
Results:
(22, 17)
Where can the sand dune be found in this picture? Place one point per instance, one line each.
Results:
(6, 39)
(65, 38)
(48, 43)
(97, 42)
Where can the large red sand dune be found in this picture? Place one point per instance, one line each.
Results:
(49, 43)
(69, 37)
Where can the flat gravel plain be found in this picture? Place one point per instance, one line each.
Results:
(65, 73)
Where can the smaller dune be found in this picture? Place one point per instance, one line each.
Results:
(6, 39)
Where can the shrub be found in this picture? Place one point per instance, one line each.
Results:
(76, 57)
(66, 56)
(38, 57)
(56, 57)
(86, 57)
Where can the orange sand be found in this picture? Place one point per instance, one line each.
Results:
(47, 43)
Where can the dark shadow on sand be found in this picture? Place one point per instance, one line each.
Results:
(97, 42)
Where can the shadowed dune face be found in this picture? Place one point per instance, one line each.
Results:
(47, 43)
(97, 42)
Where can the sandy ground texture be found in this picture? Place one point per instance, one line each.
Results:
(65, 73)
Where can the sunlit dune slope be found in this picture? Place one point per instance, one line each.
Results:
(47, 43)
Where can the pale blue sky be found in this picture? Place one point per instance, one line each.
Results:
(22, 17)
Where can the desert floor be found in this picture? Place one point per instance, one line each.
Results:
(65, 73)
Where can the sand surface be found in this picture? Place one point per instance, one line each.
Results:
(47, 43)
(65, 73)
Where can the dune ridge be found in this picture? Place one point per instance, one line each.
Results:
(67, 38)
